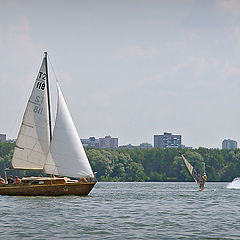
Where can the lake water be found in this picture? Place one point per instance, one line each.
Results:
(127, 211)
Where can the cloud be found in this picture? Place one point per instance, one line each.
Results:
(18, 35)
(136, 51)
(237, 38)
(178, 67)
(1, 34)
(232, 6)
(229, 70)
(20, 51)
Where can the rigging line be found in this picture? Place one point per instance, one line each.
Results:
(20, 114)
(45, 60)
(22, 100)
(55, 75)
(56, 79)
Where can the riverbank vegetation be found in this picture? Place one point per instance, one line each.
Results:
(151, 164)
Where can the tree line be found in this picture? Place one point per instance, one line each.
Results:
(150, 164)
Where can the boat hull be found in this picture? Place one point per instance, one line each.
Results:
(78, 188)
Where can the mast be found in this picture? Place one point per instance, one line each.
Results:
(48, 96)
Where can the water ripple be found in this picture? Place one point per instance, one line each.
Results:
(126, 211)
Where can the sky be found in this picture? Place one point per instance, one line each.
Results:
(130, 69)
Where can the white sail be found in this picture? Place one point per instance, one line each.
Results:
(188, 165)
(66, 156)
(33, 139)
(193, 172)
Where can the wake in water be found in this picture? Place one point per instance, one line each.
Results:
(235, 184)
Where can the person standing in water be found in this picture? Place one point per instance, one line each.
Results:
(204, 179)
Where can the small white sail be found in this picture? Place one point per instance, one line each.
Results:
(66, 156)
(188, 165)
(193, 172)
(33, 139)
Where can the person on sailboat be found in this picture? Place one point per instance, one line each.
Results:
(84, 180)
(2, 181)
(10, 179)
(17, 180)
(204, 178)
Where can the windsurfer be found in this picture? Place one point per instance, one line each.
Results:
(204, 179)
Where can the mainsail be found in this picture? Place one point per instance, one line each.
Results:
(32, 144)
(63, 154)
(66, 156)
(196, 176)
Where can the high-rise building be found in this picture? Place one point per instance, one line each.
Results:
(229, 144)
(108, 142)
(167, 140)
(3, 137)
(90, 142)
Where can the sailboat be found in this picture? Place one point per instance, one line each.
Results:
(59, 154)
(196, 176)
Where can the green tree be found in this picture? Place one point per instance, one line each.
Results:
(135, 172)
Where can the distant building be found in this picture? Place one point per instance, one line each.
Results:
(145, 145)
(229, 144)
(90, 142)
(142, 145)
(128, 146)
(167, 140)
(93, 142)
(3, 138)
(11, 140)
(84, 142)
(108, 142)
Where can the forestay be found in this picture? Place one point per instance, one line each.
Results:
(32, 144)
(66, 156)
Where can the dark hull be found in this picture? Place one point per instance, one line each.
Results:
(78, 188)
